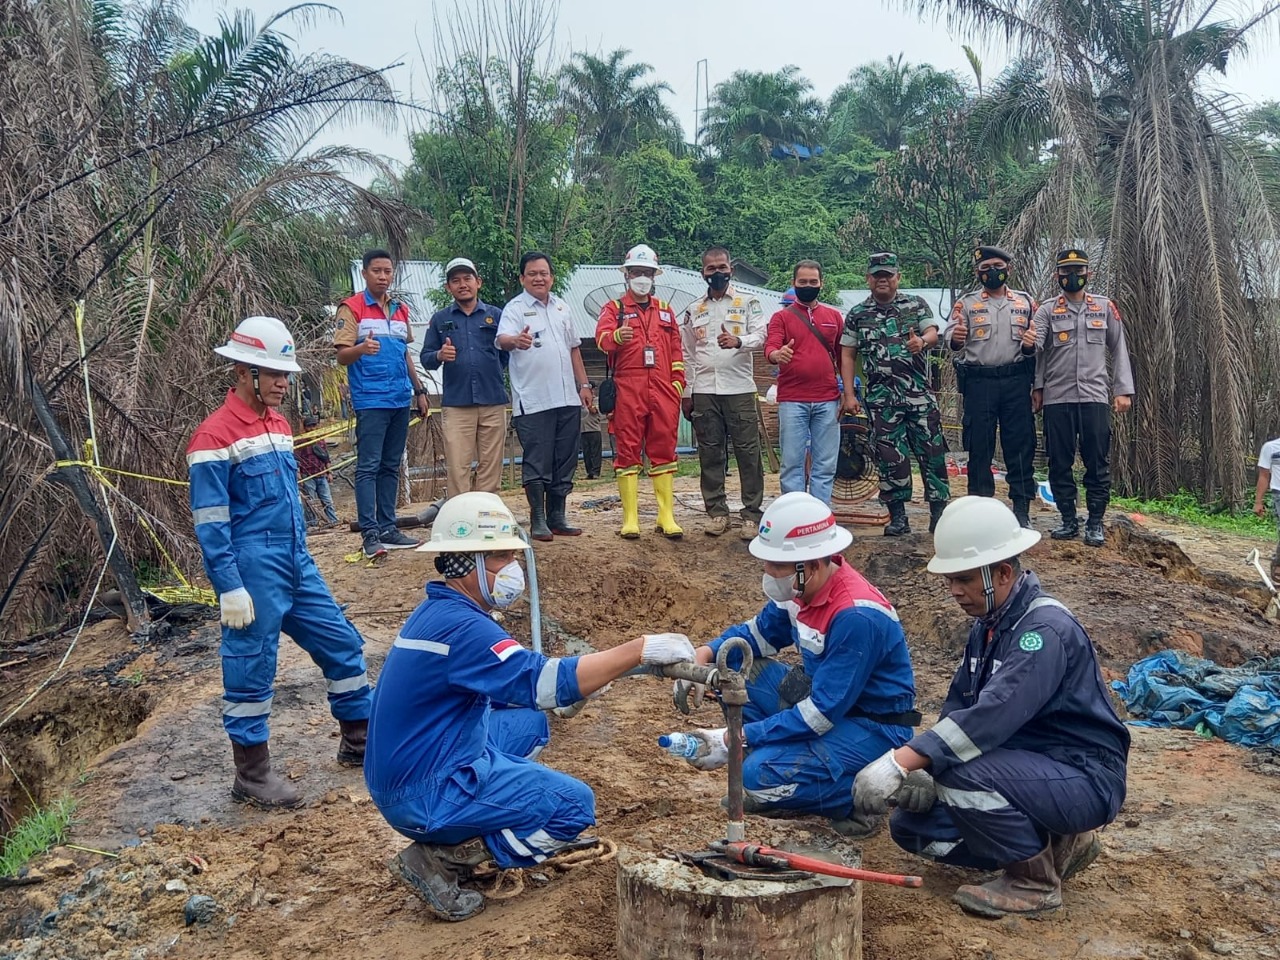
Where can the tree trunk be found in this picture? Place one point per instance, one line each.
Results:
(137, 616)
(667, 911)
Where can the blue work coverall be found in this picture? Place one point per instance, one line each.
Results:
(445, 763)
(803, 757)
(1028, 745)
(248, 519)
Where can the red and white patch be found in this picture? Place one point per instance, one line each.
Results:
(505, 648)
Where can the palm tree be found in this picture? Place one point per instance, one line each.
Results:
(751, 113)
(1151, 168)
(616, 111)
(887, 101)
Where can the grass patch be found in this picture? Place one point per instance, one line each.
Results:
(35, 833)
(1186, 507)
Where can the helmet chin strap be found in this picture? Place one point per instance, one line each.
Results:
(482, 580)
(257, 389)
(800, 579)
(988, 589)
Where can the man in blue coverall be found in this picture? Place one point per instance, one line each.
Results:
(249, 521)
(810, 729)
(1028, 758)
(457, 718)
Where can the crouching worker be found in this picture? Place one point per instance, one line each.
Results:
(810, 728)
(457, 718)
(1028, 758)
(248, 519)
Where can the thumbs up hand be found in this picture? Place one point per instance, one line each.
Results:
(784, 353)
(1029, 334)
(370, 345)
(727, 340)
(961, 331)
(448, 351)
(914, 343)
(525, 339)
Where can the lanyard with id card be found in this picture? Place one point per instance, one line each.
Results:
(650, 355)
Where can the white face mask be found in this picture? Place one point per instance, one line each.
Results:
(508, 585)
(779, 589)
(641, 286)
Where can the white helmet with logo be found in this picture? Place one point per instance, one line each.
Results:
(976, 532)
(474, 522)
(799, 527)
(262, 342)
(642, 255)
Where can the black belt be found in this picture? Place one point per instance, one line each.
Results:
(1019, 368)
(907, 718)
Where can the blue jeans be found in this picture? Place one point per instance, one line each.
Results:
(380, 438)
(317, 488)
(816, 425)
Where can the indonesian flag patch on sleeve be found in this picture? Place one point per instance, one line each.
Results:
(505, 648)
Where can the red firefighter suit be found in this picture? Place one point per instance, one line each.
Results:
(649, 372)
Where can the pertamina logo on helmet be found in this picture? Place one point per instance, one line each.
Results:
(248, 341)
(810, 528)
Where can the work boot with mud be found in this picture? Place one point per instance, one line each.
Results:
(1069, 529)
(1073, 852)
(351, 746)
(1028, 887)
(1094, 534)
(716, 526)
(898, 524)
(433, 872)
(256, 783)
(935, 513)
(1022, 510)
(858, 826)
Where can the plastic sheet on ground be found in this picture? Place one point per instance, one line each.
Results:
(1174, 689)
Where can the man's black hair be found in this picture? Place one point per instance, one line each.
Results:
(533, 255)
(717, 249)
(376, 254)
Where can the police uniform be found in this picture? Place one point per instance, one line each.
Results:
(802, 754)
(900, 402)
(1028, 746)
(995, 374)
(249, 521)
(722, 384)
(1074, 339)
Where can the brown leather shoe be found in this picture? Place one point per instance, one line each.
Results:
(749, 529)
(716, 526)
(1029, 887)
(433, 872)
(351, 747)
(1075, 851)
(257, 784)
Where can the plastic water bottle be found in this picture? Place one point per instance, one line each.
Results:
(688, 746)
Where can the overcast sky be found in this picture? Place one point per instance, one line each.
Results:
(825, 38)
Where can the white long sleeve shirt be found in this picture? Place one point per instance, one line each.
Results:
(710, 368)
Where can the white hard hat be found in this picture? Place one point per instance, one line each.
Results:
(977, 532)
(262, 342)
(642, 255)
(474, 522)
(798, 527)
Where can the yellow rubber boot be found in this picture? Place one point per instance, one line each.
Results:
(665, 495)
(629, 492)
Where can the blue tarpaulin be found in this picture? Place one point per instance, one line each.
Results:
(1174, 689)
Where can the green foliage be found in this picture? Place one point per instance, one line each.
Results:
(1187, 507)
(35, 833)
(888, 102)
(652, 198)
(752, 112)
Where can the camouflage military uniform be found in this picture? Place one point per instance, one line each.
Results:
(903, 410)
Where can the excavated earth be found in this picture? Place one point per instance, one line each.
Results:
(1191, 868)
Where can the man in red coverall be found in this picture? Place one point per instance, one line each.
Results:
(641, 341)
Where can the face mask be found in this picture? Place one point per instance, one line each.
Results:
(508, 585)
(1072, 282)
(718, 282)
(779, 589)
(993, 278)
(641, 286)
(807, 294)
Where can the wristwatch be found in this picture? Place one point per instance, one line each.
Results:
(585, 386)
(419, 391)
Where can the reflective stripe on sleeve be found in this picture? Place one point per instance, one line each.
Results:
(348, 684)
(211, 515)
(546, 692)
(950, 733)
(814, 717)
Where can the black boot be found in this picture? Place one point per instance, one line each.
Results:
(1094, 535)
(1070, 528)
(1022, 510)
(433, 872)
(898, 523)
(935, 513)
(351, 746)
(536, 492)
(256, 783)
(556, 519)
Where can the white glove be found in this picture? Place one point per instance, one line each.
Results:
(575, 708)
(876, 783)
(917, 793)
(237, 608)
(664, 649)
(687, 695)
(719, 754)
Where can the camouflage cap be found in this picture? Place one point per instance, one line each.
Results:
(990, 253)
(1073, 257)
(882, 263)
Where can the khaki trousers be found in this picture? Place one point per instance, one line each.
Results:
(474, 434)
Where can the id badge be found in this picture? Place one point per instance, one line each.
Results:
(650, 355)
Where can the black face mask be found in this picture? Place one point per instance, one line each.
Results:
(1072, 282)
(718, 281)
(807, 294)
(993, 278)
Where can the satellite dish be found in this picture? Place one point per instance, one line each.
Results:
(677, 298)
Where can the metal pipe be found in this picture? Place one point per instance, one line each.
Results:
(535, 608)
(733, 694)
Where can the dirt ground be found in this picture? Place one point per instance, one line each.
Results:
(1191, 868)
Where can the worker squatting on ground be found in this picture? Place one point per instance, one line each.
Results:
(457, 718)
(1028, 758)
(641, 341)
(248, 519)
(809, 729)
